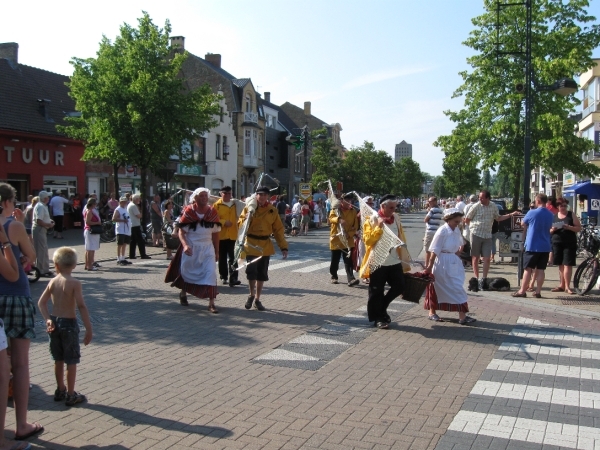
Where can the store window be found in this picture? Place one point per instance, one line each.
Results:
(67, 185)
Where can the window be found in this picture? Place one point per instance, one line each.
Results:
(218, 147)
(247, 141)
(254, 143)
(248, 103)
(271, 121)
(251, 182)
(221, 114)
(225, 149)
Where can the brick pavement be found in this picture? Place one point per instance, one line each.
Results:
(158, 375)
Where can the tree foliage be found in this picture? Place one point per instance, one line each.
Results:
(325, 160)
(366, 170)
(490, 127)
(407, 179)
(133, 102)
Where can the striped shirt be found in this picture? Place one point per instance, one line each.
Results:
(435, 215)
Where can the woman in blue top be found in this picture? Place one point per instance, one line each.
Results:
(17, 310)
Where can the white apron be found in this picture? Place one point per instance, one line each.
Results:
(200, 268)
(448, 269)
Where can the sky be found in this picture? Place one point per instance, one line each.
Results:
(385, 70)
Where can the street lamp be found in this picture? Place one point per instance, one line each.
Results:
(302, 140)
(565, 86)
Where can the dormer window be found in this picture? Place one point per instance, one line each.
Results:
(248, 103)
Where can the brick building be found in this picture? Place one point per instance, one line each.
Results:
(35, 156)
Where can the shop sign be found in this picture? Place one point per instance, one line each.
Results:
(125, 187)
(568, 179)
(189, 170)
(27, 155)
(305, 190)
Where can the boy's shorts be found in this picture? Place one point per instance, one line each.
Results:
(3, 340)
(64, 340)
(258, 270)
(123, 239)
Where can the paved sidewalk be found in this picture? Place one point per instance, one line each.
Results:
(158, 375)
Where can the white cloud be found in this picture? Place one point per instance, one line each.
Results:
(383, 75)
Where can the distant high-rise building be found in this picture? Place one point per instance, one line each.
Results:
(403, 150)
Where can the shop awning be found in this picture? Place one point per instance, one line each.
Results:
(588, 188)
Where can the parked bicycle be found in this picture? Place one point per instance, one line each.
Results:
(586, 238)
(587, 272)
(108, 231)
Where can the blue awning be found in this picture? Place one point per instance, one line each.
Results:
(587, 188)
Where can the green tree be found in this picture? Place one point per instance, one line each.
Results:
(407, 179)
(133, 102)
(486, 181)
(460, 173)
(438, 188)
(325, 160)
(491, 124)
(366, 170)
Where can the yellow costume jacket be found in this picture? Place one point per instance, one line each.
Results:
(265, 221)
(227, 213)
(350, 227)
(371, 235)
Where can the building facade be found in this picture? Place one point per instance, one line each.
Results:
(35, 156)
(402, 150)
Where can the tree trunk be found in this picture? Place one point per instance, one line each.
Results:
(116, 178)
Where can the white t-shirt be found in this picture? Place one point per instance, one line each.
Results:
(133, 211)
(461, 206)
(123, 227)
(40, 212)
(57, 203)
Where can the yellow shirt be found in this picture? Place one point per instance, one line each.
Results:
(265, 221)
(371, 235)
(350, 227)
(227, 213)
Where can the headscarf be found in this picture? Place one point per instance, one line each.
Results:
(190, 214)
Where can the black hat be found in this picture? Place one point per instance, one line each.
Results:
(264, 189)
(388, 197)
(348, 196)
(225, 189)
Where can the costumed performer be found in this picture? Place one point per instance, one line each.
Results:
(390, 263)
(193, 270)
(344, 223)
(447, 293)
(258, 245)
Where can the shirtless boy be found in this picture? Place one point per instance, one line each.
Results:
(66, 294)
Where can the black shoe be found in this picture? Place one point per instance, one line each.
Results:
(183, 298)
(224, 281)
(382, 325)
(127, 263)
(145, 257)
(131, 257)
(72, 400)
(60, 395)
(237, 282)
(96, 264)
(258, 305)
(387, 319)
(120, 263)
(249, 302)
(353, 282)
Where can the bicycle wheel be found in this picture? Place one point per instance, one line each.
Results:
(108, 232)
(586, 276)
(34, 274)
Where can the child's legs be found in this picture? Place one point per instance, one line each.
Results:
(71, 374)
(59, 374)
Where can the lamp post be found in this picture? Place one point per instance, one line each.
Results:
(564, 87)
(302, 141)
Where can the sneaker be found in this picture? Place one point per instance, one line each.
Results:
(353, 282)
(480, 284)
(96, 264)
(334, 281)
(127, 263)
(72, 400)
(121, 263)
(258, 305)
(249, 302)
(60, 395)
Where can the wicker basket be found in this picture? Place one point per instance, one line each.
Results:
(414, 287)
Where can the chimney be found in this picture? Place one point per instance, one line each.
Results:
(178, 43)
(268, 97)
(10, 51)
(307, 108)
(214, 59)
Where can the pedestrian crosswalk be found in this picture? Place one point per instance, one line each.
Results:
(538, 392)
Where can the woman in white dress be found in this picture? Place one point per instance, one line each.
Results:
(194, 269)
(448, 270)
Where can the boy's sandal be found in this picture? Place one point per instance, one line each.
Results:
(518, 294)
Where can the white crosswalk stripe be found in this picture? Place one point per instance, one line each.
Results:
(535, 384)
(312, 268)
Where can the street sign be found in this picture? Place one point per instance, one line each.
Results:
(305, 190)
(516, 222)
(595, 204)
